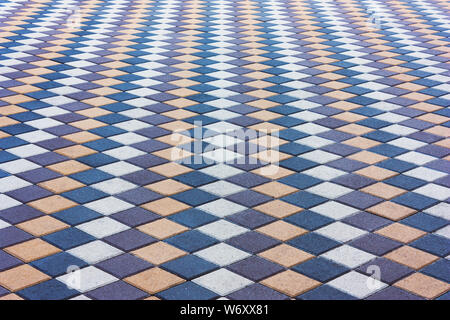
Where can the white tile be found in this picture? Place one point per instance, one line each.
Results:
(222, 282)
(407, 143)
(221, 171)
(18, 166)
(27, 150)
(348, 256)
(36, 136)
(307, 115)
(119, 168)
(319, 156)
(136, 113)
(222, 254)
(444, 232)
(440, 210)
(90, 278)
(415, 157)
(103, 227)
(399, 130)
(222, 188)
(329, 190)
(311, 128)
(44, 123)
(124, 153)
(340, 232)
(324, 173)
(222, 230)
(357, 284)
(10, 183)
(114, 186)
(314, 142)
(4, 224)
(7, 202)
(334, 210)
(109, 205)
(81, 297)
(222, 208)
(128, 138)
(221, 155)
(434, 191)
(132, 125)
(95, 252)
(424, 174)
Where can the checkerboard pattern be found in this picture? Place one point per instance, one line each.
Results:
(98, 103)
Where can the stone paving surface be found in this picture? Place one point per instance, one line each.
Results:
(240, 149)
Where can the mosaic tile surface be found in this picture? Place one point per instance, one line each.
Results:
(122, 177)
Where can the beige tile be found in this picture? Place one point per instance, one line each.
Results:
(52, 204)
(401, 232)
(165, 206)
(281, 230)
(423, 285)
(278, 209)
(290, 283)
(21, 277)
(32, 250)
(411, 257)
(162, 229)
(154, 280)
(286, 255)
(159, 253)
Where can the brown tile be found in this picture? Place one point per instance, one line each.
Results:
(21, 277)
(423, 285)
(52, 204)
(272, 171)
(170, 169)
(290, 283)
(401, 232)
(154, 280)
(376, 173)
(165, 206)
(411, 257)
(355, 129)
(367, 157)
(383, 190)
(32, 250)
(281, 230)
(10, 297)
(286, 255)
(275, 189)
(42, 226)
(162, 228)
(76, 151)
(69, 167)
(278, 209)
(62, 184)
(168, 187)
(81, 137)
(391, 210)
(159, 252)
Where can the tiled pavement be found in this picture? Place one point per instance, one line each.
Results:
(97, 129)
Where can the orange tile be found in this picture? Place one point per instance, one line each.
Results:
(81, 137)
(286, 255)
(411, 257)
(367, 157)
(60, 185)
(275, 189)
(278, 209)
(154, 280)
(290, 283)
(281, 230)
(21, 277)
(69, 167)
(272, 171)
(401, 232)
(168, 187)
(11, 297)
(165, 206)
(76, 151)
(170, 169)
(162, 228)
(391, 210)
(376, 173)
(52, 204)
(32, 250)
(159, 252)
(383, 190)
(423, 285)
